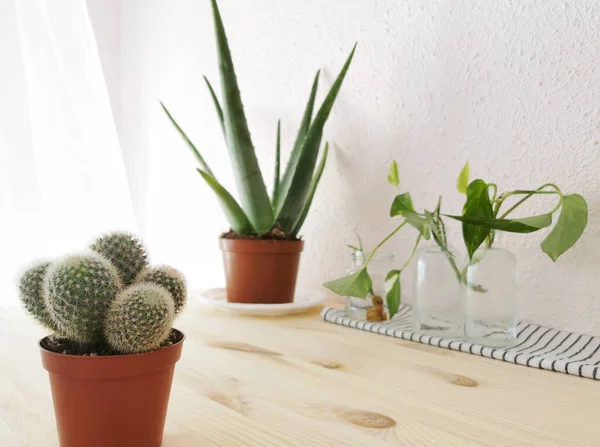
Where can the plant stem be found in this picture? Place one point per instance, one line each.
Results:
(528, 194)
(412, 253)
(378, 246)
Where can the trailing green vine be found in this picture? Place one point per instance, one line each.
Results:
(481, 218)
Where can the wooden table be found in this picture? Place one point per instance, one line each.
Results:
(298, 381)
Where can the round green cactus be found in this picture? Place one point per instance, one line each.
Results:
(31, 293)
(79, 290)
(125, 251)
(171, 279)
(140, 318)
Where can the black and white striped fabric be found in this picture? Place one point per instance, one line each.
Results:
(536, 346)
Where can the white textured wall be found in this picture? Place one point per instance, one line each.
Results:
(512, 86)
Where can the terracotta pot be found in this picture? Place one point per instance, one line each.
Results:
(116, 401)
(261, 271)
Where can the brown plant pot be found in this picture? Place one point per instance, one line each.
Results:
(116, 401)
(261, 271)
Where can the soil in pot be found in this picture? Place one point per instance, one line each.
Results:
(111, 400)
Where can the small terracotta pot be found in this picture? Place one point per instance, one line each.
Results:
(116, 401)
(261, 271)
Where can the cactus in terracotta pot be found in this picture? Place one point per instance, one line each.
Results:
(113, 343)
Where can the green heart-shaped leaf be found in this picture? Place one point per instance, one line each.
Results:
(569, 226)
(358, 284)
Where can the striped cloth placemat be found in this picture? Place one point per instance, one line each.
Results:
(536, 346)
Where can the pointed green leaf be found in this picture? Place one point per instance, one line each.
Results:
(521, 225)
(394, 291)
(358, 284)
(294, 192)
(277, 160)
(477, 206)
(393, 177)
(216, 103)
(313, 189)
(297, 149)
(234, 213)
(569, 226)
(249, 180)
(403, 206)
(187, 140)
(463, 179)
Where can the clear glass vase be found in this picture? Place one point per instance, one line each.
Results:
(491, 297)
(438, 301)
(378, 268)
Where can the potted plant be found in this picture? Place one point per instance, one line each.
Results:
(488, 281)
(112, 351)
(262, 250)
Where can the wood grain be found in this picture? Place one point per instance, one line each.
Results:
(297, 381)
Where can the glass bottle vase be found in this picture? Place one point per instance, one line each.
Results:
(491, 297)
(438, 300)
(378, 267)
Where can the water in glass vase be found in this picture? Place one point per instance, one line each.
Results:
(380, 264)
(438, 304)
(491, 298)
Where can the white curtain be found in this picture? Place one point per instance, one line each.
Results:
(62, 177)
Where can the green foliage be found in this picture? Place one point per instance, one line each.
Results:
(311, 194)
(393, 177)
(125, 251)
(169, 278)
(277, 175)
(521, 225)
(249, 180)
(394, 291)
(31, 293)
(292, 164)
(477, 206)
(292, 192)
(482, 216)
(294, 196)
(358, 284)
(139, 319)
(403, 206)
(78, 291)
(233, 211)
(569, 227)
(463, 179)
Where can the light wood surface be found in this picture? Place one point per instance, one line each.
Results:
(298, 381)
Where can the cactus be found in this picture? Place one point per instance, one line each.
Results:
(140, 318)
(31, 293)
(169, 278)
(125, 251)
(79, 290)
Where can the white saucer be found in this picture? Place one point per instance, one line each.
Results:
(217, 299)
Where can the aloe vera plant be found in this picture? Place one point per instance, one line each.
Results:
(256, 212)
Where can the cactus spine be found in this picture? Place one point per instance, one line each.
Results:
(125, 251)
(140, 318)
(169, 278)
(78, 292)
(31, 293)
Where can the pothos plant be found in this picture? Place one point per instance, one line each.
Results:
(483, 215)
